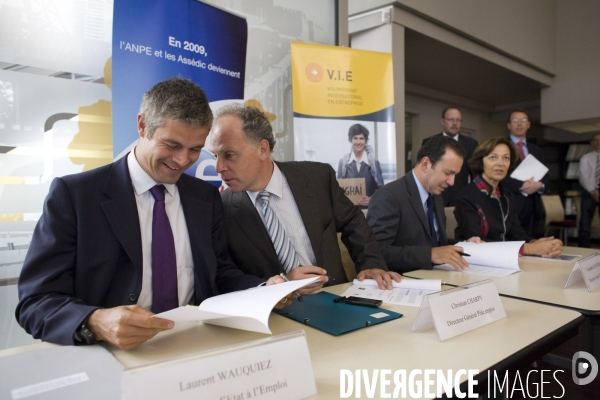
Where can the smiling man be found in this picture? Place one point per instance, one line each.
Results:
(117, 244)
(407, 215)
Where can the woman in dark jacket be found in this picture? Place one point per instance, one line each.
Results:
(484, 207)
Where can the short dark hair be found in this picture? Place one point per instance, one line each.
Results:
(521, 110)
(358, 129)
(445, 110)
(435, 148)
(255, 124)
(178, 99)
(485, 148)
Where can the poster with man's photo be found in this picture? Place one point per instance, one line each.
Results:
(344, 115)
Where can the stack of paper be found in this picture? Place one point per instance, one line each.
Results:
(408, 292)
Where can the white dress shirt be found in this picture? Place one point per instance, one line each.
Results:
(353, 158)
(284, 206)
(142, 183)
(587, 171)
(455, 137)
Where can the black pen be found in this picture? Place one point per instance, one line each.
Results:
(464, 254)
(296, 293)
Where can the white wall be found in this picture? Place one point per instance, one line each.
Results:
(526, 30)
(575, 92)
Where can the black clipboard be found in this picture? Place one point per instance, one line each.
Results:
(319, 311)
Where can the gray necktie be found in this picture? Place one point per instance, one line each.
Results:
(283, 246)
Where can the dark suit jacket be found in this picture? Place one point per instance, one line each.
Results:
(325, 210)
(86, 250)
(530, 209)
(400, 225)
(462, 178)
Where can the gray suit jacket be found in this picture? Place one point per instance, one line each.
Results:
(325, 210)
(400, 226)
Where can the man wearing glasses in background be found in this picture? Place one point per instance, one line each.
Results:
(451, 121)
(526, 196)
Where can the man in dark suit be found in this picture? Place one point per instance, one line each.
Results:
(407, 215)
(296, 206)
(92, 272)
(451, 121)
(530, 208)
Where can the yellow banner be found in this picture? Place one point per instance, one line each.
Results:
(334, 82)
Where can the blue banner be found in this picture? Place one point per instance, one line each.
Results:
(155, 40)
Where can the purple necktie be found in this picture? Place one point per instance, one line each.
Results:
(164, 262)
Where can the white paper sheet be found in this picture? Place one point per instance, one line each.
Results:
(493, 259)
(419, 284)
(408, 292)
(561, 258)
(530, 167)
(246, 309)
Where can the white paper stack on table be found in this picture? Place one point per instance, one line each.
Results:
(529, 168)
(494, 259)
(247, 309)
(407, 292)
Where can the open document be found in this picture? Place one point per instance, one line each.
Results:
(407, 292)
(246, 309)
(494, 259)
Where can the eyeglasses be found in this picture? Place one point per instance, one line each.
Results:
(516, 120)
(454, 120)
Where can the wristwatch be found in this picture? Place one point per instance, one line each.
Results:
(83, 335)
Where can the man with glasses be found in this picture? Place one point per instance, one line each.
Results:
(526, 196)
(451, 120)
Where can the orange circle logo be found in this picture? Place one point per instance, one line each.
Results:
(314, 72)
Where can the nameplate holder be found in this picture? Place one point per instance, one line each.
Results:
(462, 309)
(588, 270)
(277, 367)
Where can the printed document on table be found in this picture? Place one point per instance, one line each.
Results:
(530, 167)
(246, 309)
(495, 259)
(408, 292)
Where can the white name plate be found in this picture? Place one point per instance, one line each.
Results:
(588, 270)
(461, 309)
(277, 367)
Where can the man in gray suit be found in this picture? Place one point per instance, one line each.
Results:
(284, 217)
(407, 215)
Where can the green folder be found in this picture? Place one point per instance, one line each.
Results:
(319, 311)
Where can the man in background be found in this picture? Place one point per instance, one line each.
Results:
(451, 122)
(589, 177)
(526, 195)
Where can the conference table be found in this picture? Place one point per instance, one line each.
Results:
(528, 328)
(541, 281)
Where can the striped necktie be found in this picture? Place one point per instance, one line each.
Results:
(283, 247)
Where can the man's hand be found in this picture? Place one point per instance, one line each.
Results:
(475, 239)
(595, 195)
(545, 247)
(126, 326)
(287, 300)
(530, 186)
(309, 271)
(383, 278)
(449, 255)
(364, 201)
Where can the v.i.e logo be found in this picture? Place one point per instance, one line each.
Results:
(584, 367)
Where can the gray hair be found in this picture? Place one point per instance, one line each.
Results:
(177, 99)
(255, 124)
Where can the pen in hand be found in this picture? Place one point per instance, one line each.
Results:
(296, 293)
(463, 254)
